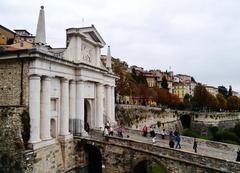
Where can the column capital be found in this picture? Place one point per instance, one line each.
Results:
(99, 84)
(72, 81)
(34, 77)
(64, 80)
(80, 81)
(48, 78)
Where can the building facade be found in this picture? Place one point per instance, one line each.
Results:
(65, 90)
(6, 35)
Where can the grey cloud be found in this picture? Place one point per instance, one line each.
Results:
(200, 38)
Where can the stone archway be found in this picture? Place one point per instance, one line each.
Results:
(94, 159)
(87, 115)
(186, 121)
(141, 167)
(148, 166)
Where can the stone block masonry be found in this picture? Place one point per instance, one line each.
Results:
(60, 156)
(14, 82)
(11, 140)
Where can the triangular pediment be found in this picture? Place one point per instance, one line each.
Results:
(92, 34)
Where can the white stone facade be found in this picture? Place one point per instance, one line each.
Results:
(67, 88)
(66, 93)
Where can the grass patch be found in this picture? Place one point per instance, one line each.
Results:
(156, 168)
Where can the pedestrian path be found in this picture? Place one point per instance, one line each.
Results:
(186, 146)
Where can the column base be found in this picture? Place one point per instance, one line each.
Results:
(65, 137)
(84, 133)
(34, 141)
(41, 144)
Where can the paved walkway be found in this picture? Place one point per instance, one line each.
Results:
(227, 154)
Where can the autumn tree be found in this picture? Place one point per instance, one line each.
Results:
(164, 83)
(140, 79)
(211, 102)
(233, 103)
(187, 100)
(222, 103)
(199, 99)
(124, 82)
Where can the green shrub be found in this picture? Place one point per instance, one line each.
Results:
(191, 133)
(229, 142)
(226, 135)
(213, 130)
(237, 129)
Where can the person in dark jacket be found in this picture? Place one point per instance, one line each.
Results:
(195, 145)
(238, 156)
(171, 140)
(178, 140)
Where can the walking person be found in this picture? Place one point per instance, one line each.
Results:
(107, 125)
(145, 131)
(163, 133)
(110, 131)
(238, 156)
(178, 140)
(120, 132)
(195, 145)
(171, 140)
(154, 135)
(86, 127)
(105, 132)
(151, 131)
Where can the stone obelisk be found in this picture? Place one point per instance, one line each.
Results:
(40, 34)
(109, 59)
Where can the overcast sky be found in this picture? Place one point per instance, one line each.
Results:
(195, 37)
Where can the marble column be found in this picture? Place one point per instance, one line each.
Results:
(108, 104)
(80, 107)
(72, 104)
(45, 108)
(113, 105)
(99, 106)
(64, 119)
(34, 108)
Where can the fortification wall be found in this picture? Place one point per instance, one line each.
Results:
(14, 82)
(136, 117)
(59, 155)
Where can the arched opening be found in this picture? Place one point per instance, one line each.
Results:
(147, 166)
(87, 115)
(94, 158)
(186, 121)
(53, 128)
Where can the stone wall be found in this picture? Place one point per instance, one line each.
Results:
(14, 82)
(203, 120)
(136, 117)
(122, 155)
(58, 155)
(12, 148)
